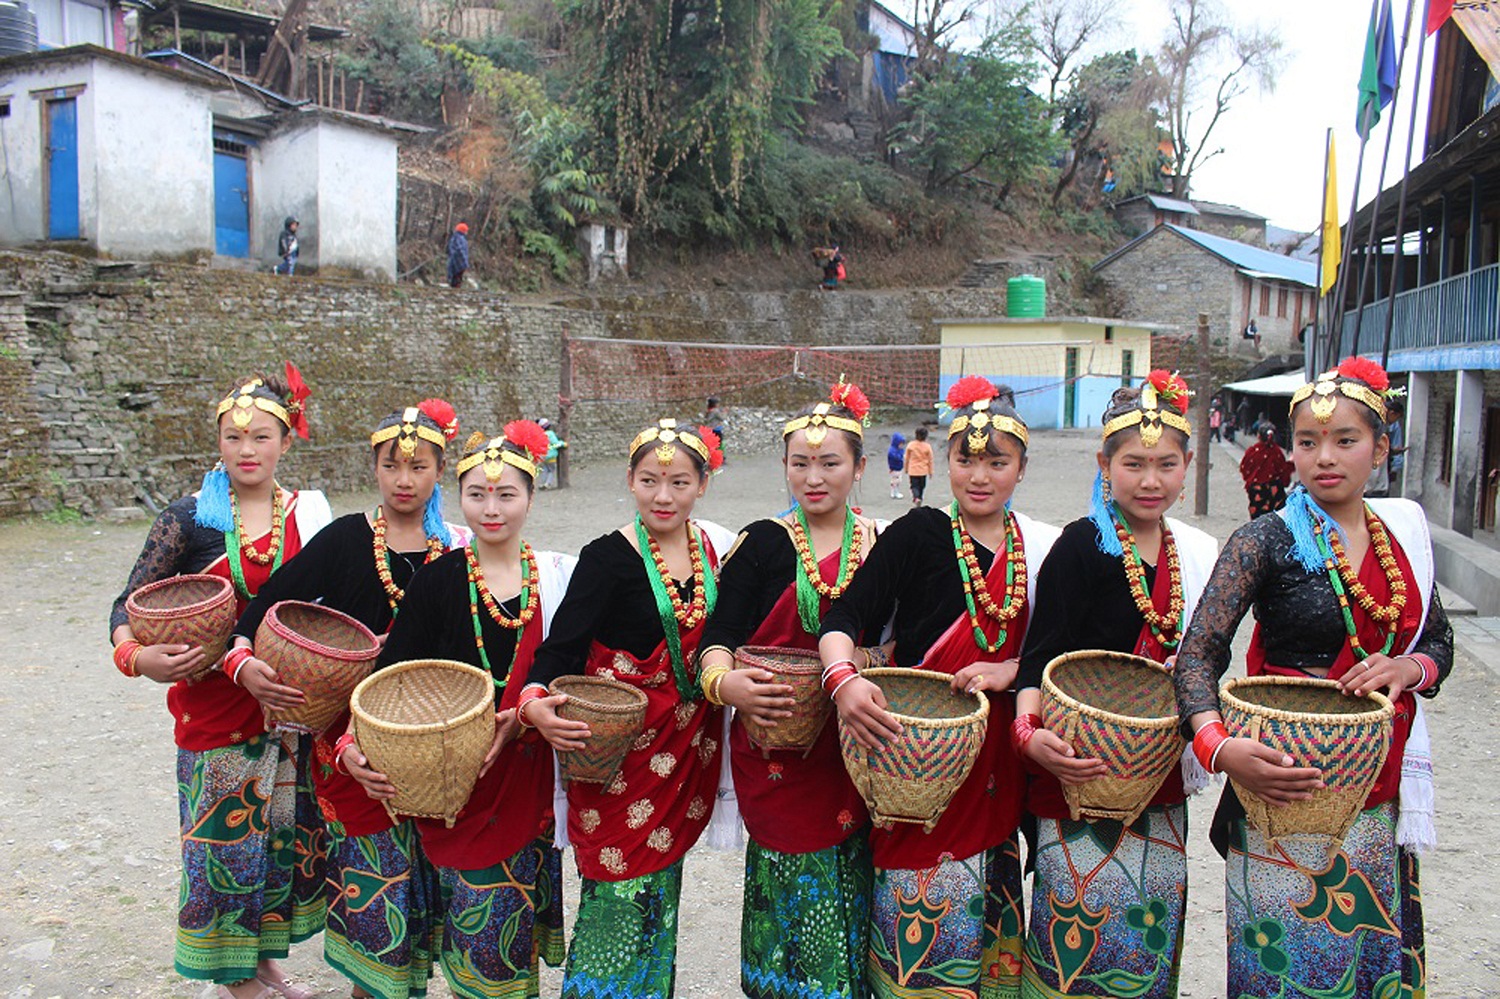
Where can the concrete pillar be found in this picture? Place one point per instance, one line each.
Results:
(1418, 401)
(1468, 411)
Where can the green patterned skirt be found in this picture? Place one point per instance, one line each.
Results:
(383, 927)
(253, 856)
(954, 931)
(501, 921)
(625, 938)
(1107, 907)
(805, 926)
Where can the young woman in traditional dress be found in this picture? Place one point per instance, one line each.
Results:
(947, 914)
(1108, 900)
(253, 845)
(634, 612)
(489, 605)
(805, 923)
(360, 565)
(1341, 588)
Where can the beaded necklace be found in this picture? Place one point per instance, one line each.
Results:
(675, 618)
(975, 586)
(810, 585)
(1345, 580)
(236, 549)
(1166, 626)
(394, 593)
(479, 593)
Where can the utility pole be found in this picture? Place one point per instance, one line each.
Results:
(1200, 481)
(564, 407)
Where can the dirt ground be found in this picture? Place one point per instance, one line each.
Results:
(88, 827)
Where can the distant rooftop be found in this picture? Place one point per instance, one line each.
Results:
(1252, 260)
(1194, 207)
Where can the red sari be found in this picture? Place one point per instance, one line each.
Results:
(986, 810)
(794, 802)
(213, 712)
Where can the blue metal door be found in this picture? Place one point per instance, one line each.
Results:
(62, 169)
(231, 206)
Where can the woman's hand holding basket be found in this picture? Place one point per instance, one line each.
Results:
(348, 757)
(169, 663)
(564, 735)
(1381, 672)
(1049, 750)
(751, 693)
(989, 676)
(862, 706)
(1267, 772)
(257, 676)
(507, 727)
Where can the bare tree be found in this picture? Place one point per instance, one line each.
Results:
(1061, 29)
(1209, 62)
(936, 23)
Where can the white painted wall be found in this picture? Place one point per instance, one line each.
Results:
(356, 199)
(145, 166)
(154, 169)
(894, 36)
(284, 181)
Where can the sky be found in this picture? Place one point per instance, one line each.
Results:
(1273, 141)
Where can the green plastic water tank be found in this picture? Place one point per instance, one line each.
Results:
(1026, 297)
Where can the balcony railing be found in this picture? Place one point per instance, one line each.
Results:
(1457, 310)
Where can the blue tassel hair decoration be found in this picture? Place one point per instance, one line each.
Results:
(214, 511)
(1103, 518)
(433, 524)
(1300, 513)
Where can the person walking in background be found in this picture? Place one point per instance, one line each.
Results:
(1266, 473)
(895, 460)
(831, 259)
(1215, 421)
(1242, 416)
(554, 445)
(458, 255)
(1397, 434)
(286, 246)
(918, 465)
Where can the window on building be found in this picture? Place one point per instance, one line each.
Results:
(1265, 300)
(1127, 367)
(1281, 299)
(70, 22)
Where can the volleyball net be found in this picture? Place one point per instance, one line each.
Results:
(901, 375)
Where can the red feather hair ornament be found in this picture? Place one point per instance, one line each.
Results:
(296, 392)
(441, 413)
(1170, 386)
(851, 397)
(1366, 370)
(529, 436)
(715, 452)
(970, 389)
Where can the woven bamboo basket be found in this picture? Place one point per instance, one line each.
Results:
(1120, 709)
(185, 610)
(427, 725)
(322, 652)
(914, 776)
(803, 672)
(616, 716)
(1317, 725)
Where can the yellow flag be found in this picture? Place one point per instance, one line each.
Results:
(1333, 249)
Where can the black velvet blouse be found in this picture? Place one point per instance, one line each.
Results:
(176, 545)
(609, 600)
(435, 620)
(337, 568)
(912, 569)
(1083, 601)
(1302, 626)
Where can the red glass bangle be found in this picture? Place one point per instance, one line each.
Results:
(838, 675)
(1022, 729)
(234, 660)
(125, 655)
(535, 692)
(339, 749)
(1207, 741)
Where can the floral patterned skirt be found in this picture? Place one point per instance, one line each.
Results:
(383, 930)
(501, 922)
(253, 856)
(953, 931)
(1107, 907)
(625, 938)
(804, 928)
(1304, 919)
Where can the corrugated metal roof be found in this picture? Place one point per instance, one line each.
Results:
(1171, 204)
(1252, 258)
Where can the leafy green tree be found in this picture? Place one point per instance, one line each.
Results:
(669, 84)
(1108, 112)
(393, 58)
(976, 117)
